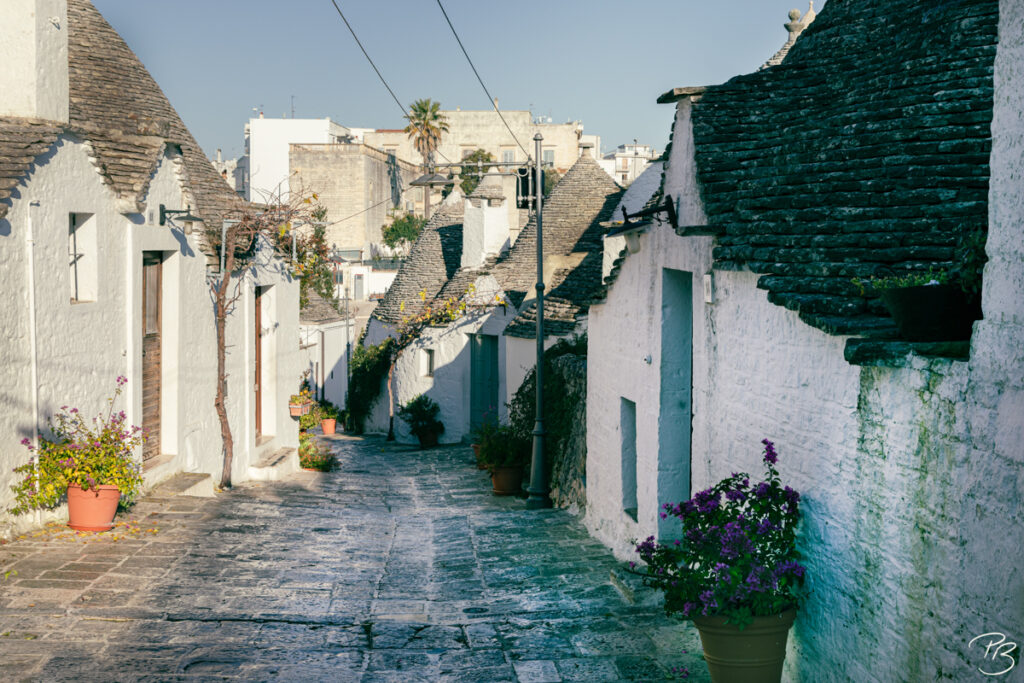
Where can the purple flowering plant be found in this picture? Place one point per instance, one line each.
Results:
(737, 557)
(87, 452)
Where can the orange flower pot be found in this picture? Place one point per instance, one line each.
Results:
(92, 510)
(328, 425)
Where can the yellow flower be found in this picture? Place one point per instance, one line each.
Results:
(423, 295)
(401, 307)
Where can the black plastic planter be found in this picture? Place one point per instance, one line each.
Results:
(931, 312)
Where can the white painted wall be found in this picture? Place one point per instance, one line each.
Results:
(268, 151)
(323, 349)
(450, 383)
(34, 55)
(911, 476)
(83, 347)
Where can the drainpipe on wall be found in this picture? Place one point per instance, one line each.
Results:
(30, 243)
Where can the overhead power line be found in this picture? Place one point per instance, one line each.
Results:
(360, 213)
(367, 55)
(486, 91)
(377, 71)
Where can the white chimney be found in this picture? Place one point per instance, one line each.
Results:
(485, 222)
(34, 59)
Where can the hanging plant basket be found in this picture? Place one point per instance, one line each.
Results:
(300, 409)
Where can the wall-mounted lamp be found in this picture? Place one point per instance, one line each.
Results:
(184, 215)
(630, 228)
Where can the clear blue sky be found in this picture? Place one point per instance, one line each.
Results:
(603, 62)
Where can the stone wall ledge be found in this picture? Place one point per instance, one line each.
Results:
(894, 353)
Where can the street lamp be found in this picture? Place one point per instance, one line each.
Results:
(538, 488)
(428, 182)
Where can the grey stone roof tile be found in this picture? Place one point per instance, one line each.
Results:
(845, 159)
(21, 142)
(119, 110)
(319, 311)
(434, 258)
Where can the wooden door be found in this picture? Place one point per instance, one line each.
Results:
(151, 323)
(258, 309)
(483, 380)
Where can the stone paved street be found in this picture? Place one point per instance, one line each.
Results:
(400, 566)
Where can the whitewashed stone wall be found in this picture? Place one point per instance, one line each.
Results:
(450, 384)
(82, 348)
(912, 477)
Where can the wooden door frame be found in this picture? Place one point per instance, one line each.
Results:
(153, 258)
(258, 357)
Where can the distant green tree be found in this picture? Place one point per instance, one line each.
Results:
(405, 229)
(426, 125)
(471, 175)
(551, 178)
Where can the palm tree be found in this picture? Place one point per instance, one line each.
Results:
(426, 124)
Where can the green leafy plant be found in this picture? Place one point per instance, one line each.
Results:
(559, 404)
(737, 557)
(471, 174)
(420, 413)
(915, 278)
(97, 452)
(369, 368)
(969, 262)
(971, 259)
(403, 230)
(502, 446)
(327, 410)
(313, 456)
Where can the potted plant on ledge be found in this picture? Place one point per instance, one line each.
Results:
(421, 415)
(735, 572)
(936, 304)
(504, 454)
(91, 462)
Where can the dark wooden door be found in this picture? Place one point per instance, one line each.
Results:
(151, 322)
(259, 360)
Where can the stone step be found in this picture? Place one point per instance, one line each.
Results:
(185, 484)
(633, 589)
(275, 465)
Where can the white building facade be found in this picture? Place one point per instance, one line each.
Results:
(99, 288)
(909, 465)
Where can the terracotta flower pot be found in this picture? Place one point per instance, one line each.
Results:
(327, 425)
(754, 654)
(476, 451)
(507, 481)
(92, 510)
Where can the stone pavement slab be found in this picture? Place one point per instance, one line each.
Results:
(400, 566)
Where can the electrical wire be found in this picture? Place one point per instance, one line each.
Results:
(477, 73)
(366, 54)
(379, 75)
(360, 213)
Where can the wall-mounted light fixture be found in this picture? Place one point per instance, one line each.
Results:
(183, 215)
(630, 227)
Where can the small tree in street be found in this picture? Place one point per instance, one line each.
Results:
(246, 233)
